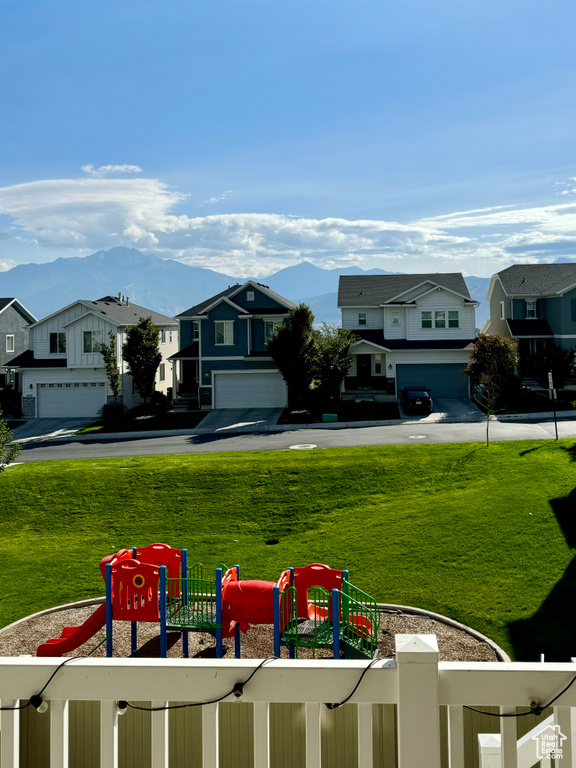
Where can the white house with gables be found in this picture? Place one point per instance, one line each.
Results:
(413, 329)
(63, 372)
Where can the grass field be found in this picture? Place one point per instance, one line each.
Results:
(482, 535)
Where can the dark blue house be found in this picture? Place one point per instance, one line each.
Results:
(223, 359)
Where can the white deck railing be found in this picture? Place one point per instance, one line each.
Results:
(423, 723)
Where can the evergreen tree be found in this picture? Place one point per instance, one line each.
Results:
(293, 349)
(108, 352)
(141, 353)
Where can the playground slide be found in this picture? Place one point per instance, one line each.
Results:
(72, 637)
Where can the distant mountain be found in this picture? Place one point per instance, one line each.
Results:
(170, 287)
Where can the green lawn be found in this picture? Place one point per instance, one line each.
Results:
(482, 535)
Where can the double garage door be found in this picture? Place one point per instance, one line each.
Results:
(70, 400)
(444, 381)
(249, 390)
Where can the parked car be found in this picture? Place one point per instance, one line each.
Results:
(416, 399)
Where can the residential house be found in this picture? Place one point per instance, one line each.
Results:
(223, 360)
(14, 322)
(413, 329)
(63, 371)
(535, 304)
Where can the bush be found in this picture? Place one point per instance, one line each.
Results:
(112, 412)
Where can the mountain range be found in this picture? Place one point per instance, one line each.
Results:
(170, 287)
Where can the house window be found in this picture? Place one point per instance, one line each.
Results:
(224, 330)
(501, 310)
(439, 318)
(163, 336)
(170, 337)
(426, 319)
(453, 318)
(162, 372)
(362, 318)
(249, 295)
(270, 327)
(10, 343)
(377, 364)
(57, 343)
(196, 326)
(395, 320)
(91, 341)
(530, 309)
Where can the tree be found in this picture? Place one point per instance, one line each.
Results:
(108, 352)
(293, 349)
(332, 359)
(493, 363)
(556, 359)
(8, 453)
(141, 353)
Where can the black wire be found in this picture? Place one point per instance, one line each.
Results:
(537, 710)
(237, 688)
(29, 702)
(341, 703)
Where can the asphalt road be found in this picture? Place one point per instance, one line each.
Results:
(398, 434)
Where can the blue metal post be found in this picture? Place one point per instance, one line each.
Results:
(276, 599)
(109, 648)
(336, 623)
(219, 613)
(133, 624)
(237, 647)
(291, 649)
(184, 598)
(162, 610)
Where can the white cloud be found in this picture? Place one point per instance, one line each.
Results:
(109, 170)
(217, 199)
(87, 214)
(6, 264)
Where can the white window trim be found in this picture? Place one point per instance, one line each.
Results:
(249, 295)
(10, 346)
(95, 342)
(274, 324)
(502, 311)
(228, 329)
(432, 320)
(365, 316)
(534, 309)
(60, 337)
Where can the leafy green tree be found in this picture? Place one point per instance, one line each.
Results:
(493, 363)
(108, 352)
(556, 359)
(293, 349)
(8, 453)
(141, 352)
(332, 359)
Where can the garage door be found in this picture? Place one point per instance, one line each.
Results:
(67, 400)
(443, 380)
(249, 390)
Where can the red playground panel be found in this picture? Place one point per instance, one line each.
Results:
(314, 575)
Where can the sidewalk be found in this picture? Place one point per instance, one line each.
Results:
(69, 435)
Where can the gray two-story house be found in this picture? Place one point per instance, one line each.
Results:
(223, 358)
(535, 304)
(14, 322)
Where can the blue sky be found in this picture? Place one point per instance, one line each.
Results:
(247, 136)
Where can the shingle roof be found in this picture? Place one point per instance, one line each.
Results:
(4, 303)
(27, 360)
(198, 309)
(530, 328)
(533, 280)
(377, 337)
(373, 290)
(121, 313)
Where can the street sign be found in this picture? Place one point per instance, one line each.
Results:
(550, 380)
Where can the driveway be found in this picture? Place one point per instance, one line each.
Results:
(450, 411)
(234, 420)
(36, 429)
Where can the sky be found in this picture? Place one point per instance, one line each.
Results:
(250, 135)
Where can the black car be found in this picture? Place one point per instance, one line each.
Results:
(416, 400)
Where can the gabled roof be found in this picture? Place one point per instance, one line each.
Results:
(532, 280)
(5, 303)
(374, 290)
(118, 312)
(27, 360)
(376, 337)
(532, 327)
(230, 292)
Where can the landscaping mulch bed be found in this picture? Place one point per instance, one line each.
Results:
(454, 644)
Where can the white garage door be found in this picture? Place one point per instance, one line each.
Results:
(249, 390)
(67, 400)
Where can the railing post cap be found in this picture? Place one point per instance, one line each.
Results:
(417, 648)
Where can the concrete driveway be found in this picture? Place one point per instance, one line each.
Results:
(234, 420)
(449, 410)
(35, 429)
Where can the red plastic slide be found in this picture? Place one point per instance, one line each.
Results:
(72, 637)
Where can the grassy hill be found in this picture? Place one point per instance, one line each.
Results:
(482, 535)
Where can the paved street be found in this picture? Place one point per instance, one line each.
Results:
(327, 436)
